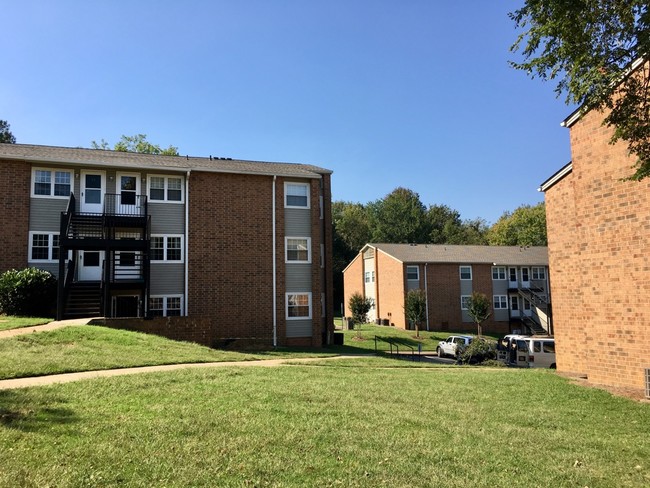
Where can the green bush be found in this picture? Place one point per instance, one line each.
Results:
(478, 351)
(29, 292)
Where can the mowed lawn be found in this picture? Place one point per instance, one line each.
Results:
(8, 322)
(299, 425)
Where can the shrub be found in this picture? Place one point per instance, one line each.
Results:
(478, 351)
(28, 292)
(360, 306)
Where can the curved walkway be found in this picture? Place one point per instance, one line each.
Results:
(57, 324)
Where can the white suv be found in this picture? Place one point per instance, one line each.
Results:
(449, 347)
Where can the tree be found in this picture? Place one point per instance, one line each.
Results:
(5, 134)
(360, 306)
(415, 307)
(478, 308)
(137, 143)
(400, 217)
(591, 47)
(526, 226)
(445, 223)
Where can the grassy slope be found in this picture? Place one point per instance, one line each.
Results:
(10, 322)
(324, 426)
(83, 348)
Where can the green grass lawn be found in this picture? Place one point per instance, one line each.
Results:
(84, 348)
(10, 322)
(297, 426)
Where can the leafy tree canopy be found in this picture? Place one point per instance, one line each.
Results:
(137, 143)
(415, 307)
(5, 134)
(526, 226)
(400, 217)
(478, 308)
(590, 46)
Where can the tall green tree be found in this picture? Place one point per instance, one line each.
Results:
(589, 47)
(137, 143)
(415, 307)
(6, 136)
(446, 224)
(478, 308)
(400, 217)
(526, 226)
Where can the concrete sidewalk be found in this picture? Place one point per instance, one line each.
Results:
(57, 324)
(68, 377)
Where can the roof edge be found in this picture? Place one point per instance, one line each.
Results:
(556, 177)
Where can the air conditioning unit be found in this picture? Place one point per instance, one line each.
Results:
(647, 382)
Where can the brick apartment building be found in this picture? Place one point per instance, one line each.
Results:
(599, 252)
(515, 279)
(243, 246)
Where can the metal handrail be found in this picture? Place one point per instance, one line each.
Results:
(395, 342)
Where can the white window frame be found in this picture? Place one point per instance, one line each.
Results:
(50, 246)
(286, 250)
(52, 172)
(417, 272)
(535, 273)
(165, 238)
(460, 272)
(286, 194)
(165, 189)
(501, 301)
(165, 304)
(366, 277)
(463, 298)
(286, 305)
(500, 272)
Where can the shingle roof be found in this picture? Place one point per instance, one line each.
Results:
(442, 253)
(100, 157)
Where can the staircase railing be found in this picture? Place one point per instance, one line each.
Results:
(125, 204)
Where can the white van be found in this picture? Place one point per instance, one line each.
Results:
(527, 351)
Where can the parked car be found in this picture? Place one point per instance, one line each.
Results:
(449, 347)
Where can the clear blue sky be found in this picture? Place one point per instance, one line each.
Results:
(412, 93)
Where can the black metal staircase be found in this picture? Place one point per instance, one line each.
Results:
(84, 300)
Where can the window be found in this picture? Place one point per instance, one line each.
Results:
(367, 276)
(464, 302)
(526, 304)
(465, 272)
(51, 183)
(500, 302)
(296, 195)
(166, 189)
(43, 246)
(539, 273)
(513, 274)
(372, 276)
(167, 248)
(524, 275)
(298, 249)
(165, 306)
(413, 273)
(298, 306)
(498, 273)
(548, 347)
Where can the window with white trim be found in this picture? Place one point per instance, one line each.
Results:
(298, 249)
(43, 247)
(166, 305)
(298, 306)
(498, 273)
(413, 273)
(51, 183)
(166, 248)
(367, 277)
(165, 189)
(464, 302)
(465, 272)
(539, 273)
(296, 195)
(500, 302)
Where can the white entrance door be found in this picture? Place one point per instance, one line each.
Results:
(128, 189)
(90, 265)
(525, 278)
(93, 187)
(512, 278)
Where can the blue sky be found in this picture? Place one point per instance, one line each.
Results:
(412, 93)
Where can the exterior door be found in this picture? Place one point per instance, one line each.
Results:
(514, 306)
(512, 278)
(90, 265)
(128, 189)
(525, 278)
(93, 187)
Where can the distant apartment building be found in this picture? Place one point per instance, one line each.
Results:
(245, 245)
(515, 279)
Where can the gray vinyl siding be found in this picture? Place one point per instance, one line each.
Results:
(501, 315)
(465, 289)
(167, 279)
(297, 222)
(298, 278)
(167, 218)
(299, 328)
(499, 287)
(51, 267)
(45, 214)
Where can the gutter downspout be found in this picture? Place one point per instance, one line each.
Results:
(426, 294)
(187, 235)
(273, 245)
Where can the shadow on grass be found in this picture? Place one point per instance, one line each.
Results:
(21, 412)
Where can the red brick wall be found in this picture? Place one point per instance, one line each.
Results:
(15, 177)
(606, 242)
(391, 289)
(328, 273)
(444, 297)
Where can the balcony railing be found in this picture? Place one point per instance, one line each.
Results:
(125, 204)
